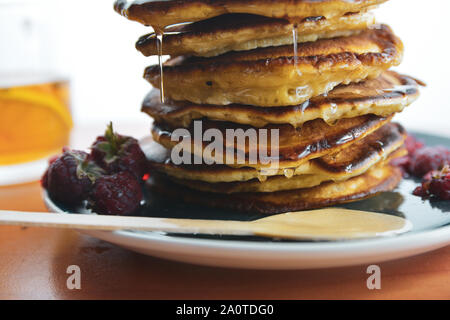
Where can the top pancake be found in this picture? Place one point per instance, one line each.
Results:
(387, 94)
(240, 32)
(273, 76)
(159, 14)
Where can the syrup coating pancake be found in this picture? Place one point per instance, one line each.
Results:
(380, 147)
(159, 13)
(240, 32)
(387, 94)
(269, 77)
(294, 145)
(355, 159)
(376, 180)
(281, 183)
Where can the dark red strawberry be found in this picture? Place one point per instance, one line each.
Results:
(115, 153)
(404, 163)
(117, 194)
(412, 144)
(70, 177)
(44, 180)
(428, 159)
(435, 184)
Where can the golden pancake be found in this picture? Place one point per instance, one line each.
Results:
(270, 77)
(355, 159)
(240, 32)
(382, 145)
(376, 180)
(387, 94)
(295, 145)
(160, 14)
(279, 183)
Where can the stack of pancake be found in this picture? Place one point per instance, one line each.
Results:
(315, 71)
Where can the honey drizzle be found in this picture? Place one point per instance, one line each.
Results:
(159, 34)
(295, 43)
(262, 178)
(289, 173)
(159, 44)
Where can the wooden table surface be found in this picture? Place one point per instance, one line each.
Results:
(34, 261)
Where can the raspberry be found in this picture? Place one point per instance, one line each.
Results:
(428, 159)
(116, 153)
(117, 194)
(69, 177)
(435, 184)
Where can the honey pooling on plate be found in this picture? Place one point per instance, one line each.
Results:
(317, 72)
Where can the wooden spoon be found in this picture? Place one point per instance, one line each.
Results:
(325, 224)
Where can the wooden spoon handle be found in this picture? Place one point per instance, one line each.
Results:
(111, 223)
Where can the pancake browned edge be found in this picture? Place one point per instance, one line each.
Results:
(296, 145)
(240, 32)
(376, 180)
(383, 145)
(164, 13)
(272, 77)
(383, 96)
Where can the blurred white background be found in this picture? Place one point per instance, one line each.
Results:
(96, 48)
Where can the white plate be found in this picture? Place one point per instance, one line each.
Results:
(273, 255)
(22, 173)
